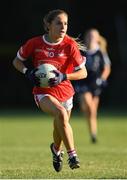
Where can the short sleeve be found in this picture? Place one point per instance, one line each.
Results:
(26, 50)
(107, 60)
(77, 59)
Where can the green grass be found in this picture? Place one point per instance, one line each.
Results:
(25, 154)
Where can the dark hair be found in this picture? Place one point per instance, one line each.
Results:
(87, 38)
(50, 16)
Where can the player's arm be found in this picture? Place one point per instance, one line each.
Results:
(30, 74)
(79, 74)
(79, 61)
(107, 66)
(106, 72)
(19, 65)
(102, 80)
(59, 77)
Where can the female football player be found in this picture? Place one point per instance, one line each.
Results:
(57, 48)
(98, 67)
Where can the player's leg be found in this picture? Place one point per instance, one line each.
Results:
(56, 135)
(57, 138)
(95, 124)
(63, 129)
(91, 112)
(50, 105)
(57, 153)
(73, 161)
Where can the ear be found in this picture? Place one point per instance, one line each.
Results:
(48, 26)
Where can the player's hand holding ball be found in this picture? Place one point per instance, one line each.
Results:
(59, 77)
(30, 74)
(45, 75)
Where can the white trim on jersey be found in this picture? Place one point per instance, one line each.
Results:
(81, 65)
(20, 57)
(43, 37)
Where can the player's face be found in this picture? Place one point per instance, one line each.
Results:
(58, 27)
(94, 36)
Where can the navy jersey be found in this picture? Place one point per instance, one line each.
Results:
(94, 65)
(95, 62)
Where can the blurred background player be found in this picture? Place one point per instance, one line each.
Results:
(57, 48)
(98, 67)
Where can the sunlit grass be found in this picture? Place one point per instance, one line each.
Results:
(25, 153)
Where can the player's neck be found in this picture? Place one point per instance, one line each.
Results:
(51, 39)
(94, 46)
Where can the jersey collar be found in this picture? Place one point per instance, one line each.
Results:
(43, 37)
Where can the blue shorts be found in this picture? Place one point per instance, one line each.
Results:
(96, 91)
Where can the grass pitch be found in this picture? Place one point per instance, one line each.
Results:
(25, 153)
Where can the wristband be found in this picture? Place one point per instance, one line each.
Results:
(64, 77)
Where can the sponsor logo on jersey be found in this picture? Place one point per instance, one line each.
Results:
(38, 50)
(50, 49)
(51, 54)
(60, 54)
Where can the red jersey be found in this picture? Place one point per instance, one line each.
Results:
(64, 55)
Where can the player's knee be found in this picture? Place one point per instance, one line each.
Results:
(62, 116)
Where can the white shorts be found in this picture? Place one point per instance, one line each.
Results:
(67, 104)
